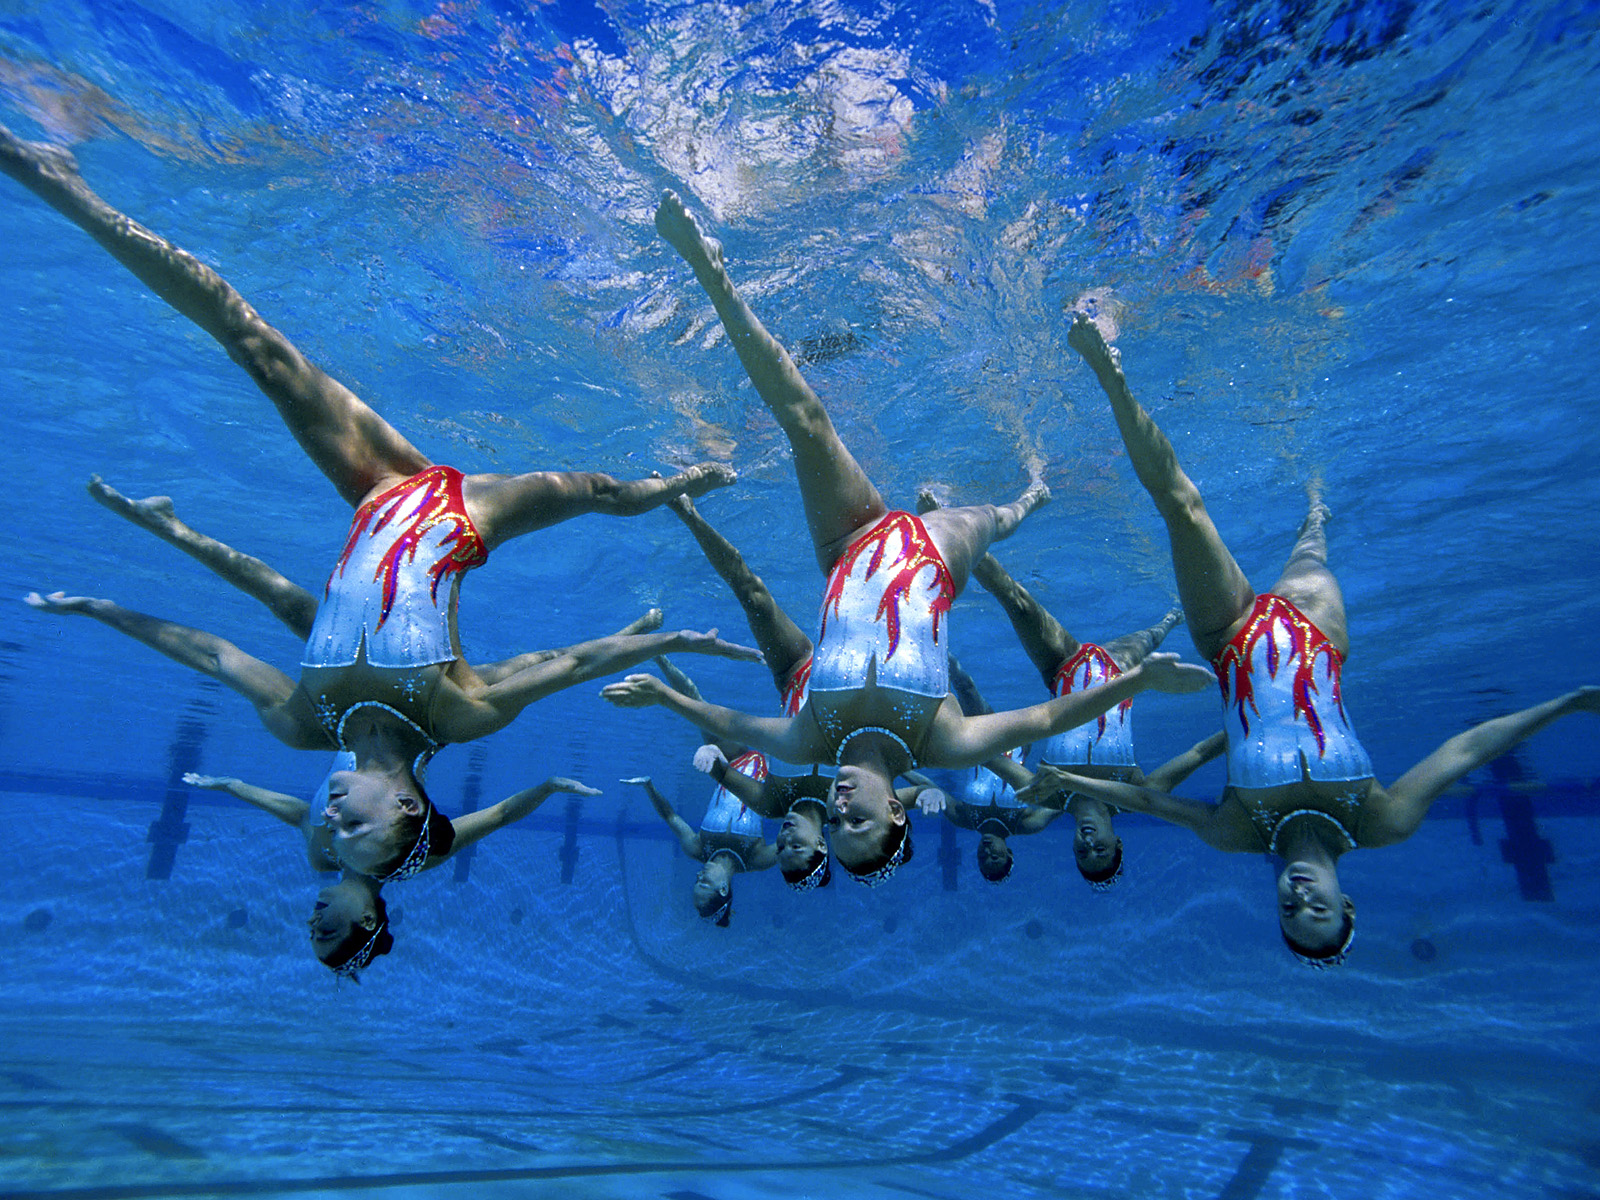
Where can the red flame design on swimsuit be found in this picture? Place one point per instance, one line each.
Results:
(1306, 642)
(1096, 667)
(919, 551)
(441, 504)
(793, 697)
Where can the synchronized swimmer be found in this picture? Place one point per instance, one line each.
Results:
(873, 696)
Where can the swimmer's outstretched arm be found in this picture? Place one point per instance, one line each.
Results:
(283, 598)
(474, 714)
(955, 740)
(679, 681)
(1394, 813)
(1175, 770)
(688, 838)
(267, 688)
(1196, 816)
(291, 810)
(472, 826)
(782, 737)
(770, 797)
(498, 671)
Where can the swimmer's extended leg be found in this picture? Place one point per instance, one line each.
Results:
(1306, 582)
(269, 689)
(354, 447)
(839, 498)
(285, 599)
(497, 671)
(476, 710)
(1131, 649)
(1044, 639)
(1214, 591)
(1400, 808)
(506, 506)
(963, 535)
(782, 642)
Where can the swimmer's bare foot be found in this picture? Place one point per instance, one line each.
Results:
(1586, 699)
(1085, 337)
(1036, 497)
(682, 232)
(47, 170)
(704, 477)
(1171, 621)
(683, 506)
(154, 513)
(649, 623)
(709, 643)
(927, 500)
(60, 602)
(1317, 513)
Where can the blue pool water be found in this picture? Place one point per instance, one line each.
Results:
(1359, 240)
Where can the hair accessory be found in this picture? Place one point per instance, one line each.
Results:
(414, 861)
(1110, 881)
(817, 877)
(873, 878)
(1327, 961)
(352, 967)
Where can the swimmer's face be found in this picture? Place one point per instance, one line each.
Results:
(709, 897)
(862, 814)
(1311, 909)
(798, 841)
(361, 810)
(1094, 845)
(993, 854)
(339, 909)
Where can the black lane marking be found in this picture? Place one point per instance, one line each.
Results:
(493, 1139)
(152, 1140)
(556, 1109)
(1259, 1162)
(983, 1138)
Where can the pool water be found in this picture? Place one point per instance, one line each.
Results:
(1354, 241)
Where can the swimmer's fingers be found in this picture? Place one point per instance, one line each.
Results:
(636, 691)
(1048, 781)
(213, 782)
(932, 801)
(709, 643)
(57, 602)
(559, 783)
(1168, 673)
(707, 757)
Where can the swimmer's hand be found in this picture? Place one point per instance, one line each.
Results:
(560, 783)
(707, 757)
(636, 691)
(1085, 337)
(1169, 673)
(515, 807)
(1050, 784)
(59, 602)
(216, 783)
(637, 780)
(931, 801)
(709, 643)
